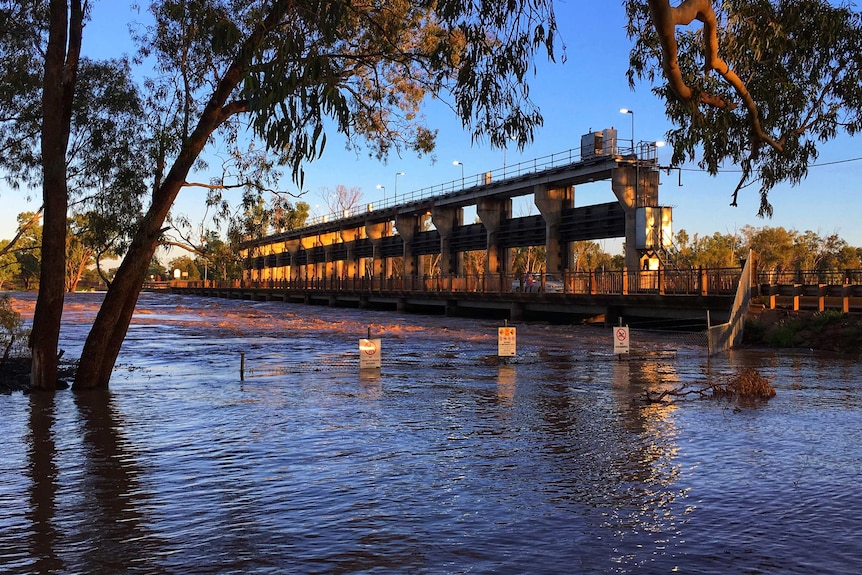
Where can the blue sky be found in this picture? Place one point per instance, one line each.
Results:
(586, 93)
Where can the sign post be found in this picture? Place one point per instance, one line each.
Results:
(621, 340)
(506, 341)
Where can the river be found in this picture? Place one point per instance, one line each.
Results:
(447, 461)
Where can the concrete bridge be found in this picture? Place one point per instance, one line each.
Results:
(642, 298)
(412, 253)
(424, 234)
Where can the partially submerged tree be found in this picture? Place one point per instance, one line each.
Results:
(292, 68)
(60, 75)
(758, 85)
(65, 125)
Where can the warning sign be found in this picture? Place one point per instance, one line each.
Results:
(506, 341)
(621, 339)
(369, 354)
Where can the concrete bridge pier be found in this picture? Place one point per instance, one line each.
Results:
(408, 225)
(445, 219)
(376, 232)
(551, 203)
(634, 188)
(292, 248)
(492, 212)
(350, 269)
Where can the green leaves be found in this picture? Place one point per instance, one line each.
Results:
(799, 60)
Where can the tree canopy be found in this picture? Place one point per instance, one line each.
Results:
(760, 84)
(291, 70)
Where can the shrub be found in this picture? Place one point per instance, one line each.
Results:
(13, 336)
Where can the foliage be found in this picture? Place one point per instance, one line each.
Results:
(744, 386)
(778, 78)
(828, 330)
(778, 250)
(187, 267)
(13, 336)
(529, 259)
(9, 267)
(220, 261)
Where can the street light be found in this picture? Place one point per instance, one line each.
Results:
(457, 163)
(395, 196)
(382, 187)
(632, 112)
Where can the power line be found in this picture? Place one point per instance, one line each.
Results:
(737, 171)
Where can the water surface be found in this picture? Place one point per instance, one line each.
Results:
(447, 461)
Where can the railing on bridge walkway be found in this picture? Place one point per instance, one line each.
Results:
(534, 166)
(610, 282)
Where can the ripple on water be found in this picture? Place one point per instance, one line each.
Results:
(446, 462)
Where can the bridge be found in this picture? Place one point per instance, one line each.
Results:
(416, 253)
(424, 234)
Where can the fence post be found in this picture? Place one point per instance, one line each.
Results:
(625, 281)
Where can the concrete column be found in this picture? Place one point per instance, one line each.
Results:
(445, 219)
(634, 186)
(307, 244)
(408, 225)
(292, 247)
(376, 233)
(551, 203)
(623, 186)
(493, 212)
(349, 237)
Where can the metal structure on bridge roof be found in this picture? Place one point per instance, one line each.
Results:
(429, 223)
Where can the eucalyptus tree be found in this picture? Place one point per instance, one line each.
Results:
(295, 70)
(65, 126)
(759, 84)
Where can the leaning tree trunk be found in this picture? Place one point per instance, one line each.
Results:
(112, 322)
(58, 89)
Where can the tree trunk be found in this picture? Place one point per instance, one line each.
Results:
(112, 322)
(59, 85)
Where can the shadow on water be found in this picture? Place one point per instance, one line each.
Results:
(42, 471)
(91, 520)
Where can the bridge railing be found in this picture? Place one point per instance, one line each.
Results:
(608, 282)
(508, 171)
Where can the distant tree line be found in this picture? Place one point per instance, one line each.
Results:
(778, 250)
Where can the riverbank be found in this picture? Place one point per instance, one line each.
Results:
(15, 375)
(827, 331)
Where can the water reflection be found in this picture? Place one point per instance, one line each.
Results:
(42, 471)
(112, 531)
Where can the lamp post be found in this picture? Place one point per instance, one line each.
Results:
(395, 195)
(457, 163)
(382, 187)
(632, 112)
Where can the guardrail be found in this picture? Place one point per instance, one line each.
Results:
(608, 282)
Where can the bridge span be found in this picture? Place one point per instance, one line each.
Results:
(641, 298)
(424, 233)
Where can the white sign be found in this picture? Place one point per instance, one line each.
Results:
(621, 339)
(506, 341)
(369, 354)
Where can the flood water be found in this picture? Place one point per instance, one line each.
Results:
(447, 461)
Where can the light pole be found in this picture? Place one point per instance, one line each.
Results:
(382, 187)
(395, 195)
(457, 163)
(632, 112)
